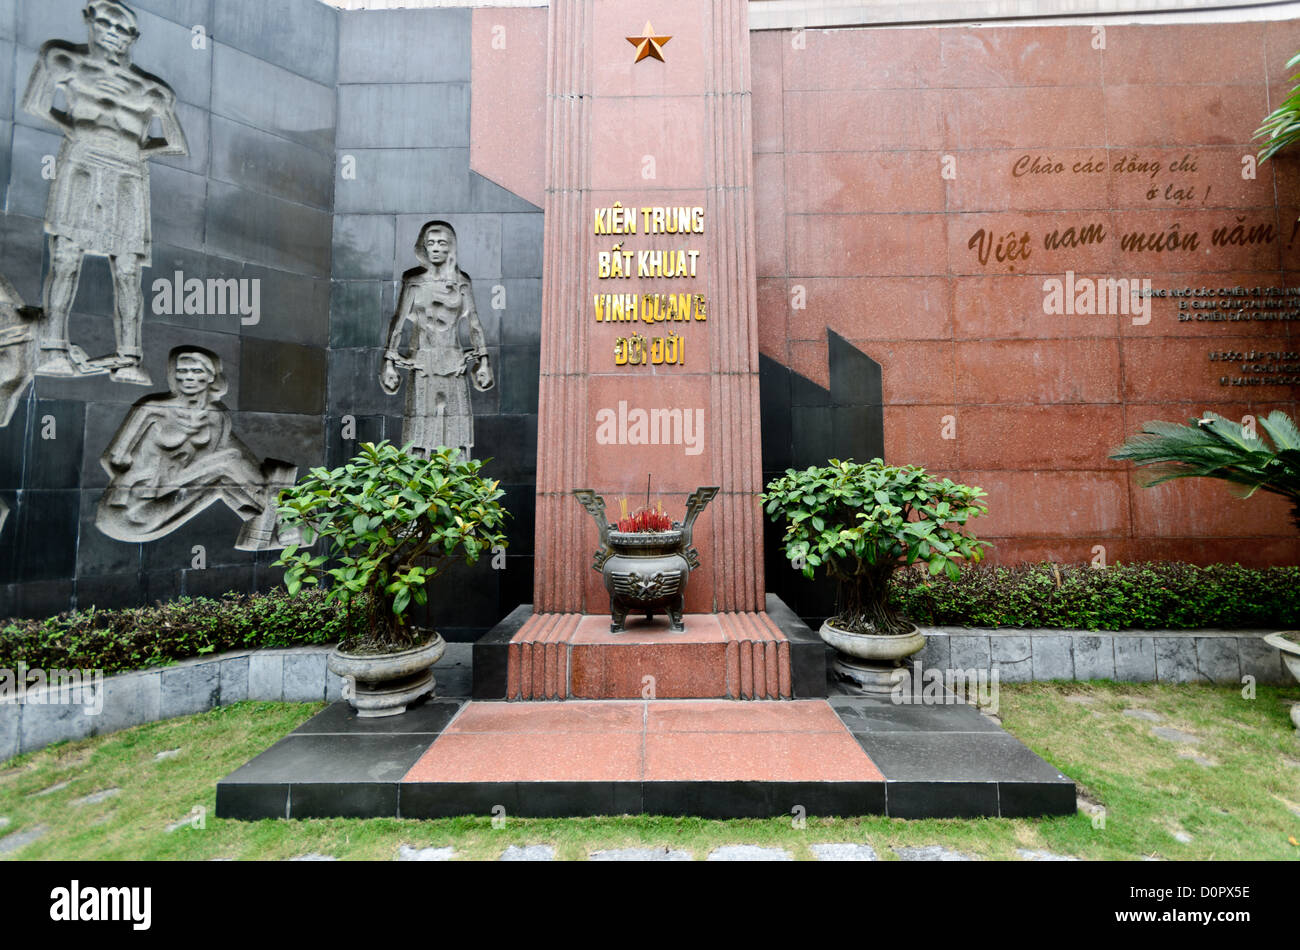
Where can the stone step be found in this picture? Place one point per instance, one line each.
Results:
(718, 656)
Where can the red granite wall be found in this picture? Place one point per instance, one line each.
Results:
(880, 156)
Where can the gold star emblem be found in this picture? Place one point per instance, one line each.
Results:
(647, 44)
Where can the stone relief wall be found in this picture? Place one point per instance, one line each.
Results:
(238, 225)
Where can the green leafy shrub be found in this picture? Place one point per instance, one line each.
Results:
(391, 519)
(1155, 596)
(862, 521)
(135, 638)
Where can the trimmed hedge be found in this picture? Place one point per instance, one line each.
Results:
(1125, 596)
(116, 641)
(1156, 596)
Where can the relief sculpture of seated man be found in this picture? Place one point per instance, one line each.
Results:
(175, 455)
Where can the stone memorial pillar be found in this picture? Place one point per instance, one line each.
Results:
(649, 363)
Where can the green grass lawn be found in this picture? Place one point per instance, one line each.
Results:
(1244, 804)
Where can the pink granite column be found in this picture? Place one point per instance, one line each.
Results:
(649, 134)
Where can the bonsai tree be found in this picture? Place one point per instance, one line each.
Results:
(862, 521)
(392, 521)
(1215, 447)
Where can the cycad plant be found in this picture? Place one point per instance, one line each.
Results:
(1215, 447)
(1281, 127)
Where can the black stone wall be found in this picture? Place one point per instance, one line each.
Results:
(402, 160)
(272, 95)
(805, 425)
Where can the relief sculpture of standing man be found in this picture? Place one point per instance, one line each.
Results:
(99, 200)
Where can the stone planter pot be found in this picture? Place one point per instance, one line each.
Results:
(646, 570)
(1291, 659)
(869, 660)
(384, 684)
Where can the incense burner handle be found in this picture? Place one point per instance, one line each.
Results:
(595, 506)
(698, 501)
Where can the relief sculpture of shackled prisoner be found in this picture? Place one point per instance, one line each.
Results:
(99, 199)
(435, 299)
(175, 455)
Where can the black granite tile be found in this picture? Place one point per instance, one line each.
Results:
(511, 442)
(521, 245)
(942, 799)
(428, 718)
(252, 801)
(339, 449)
(487, 195)
(47, 526)
(855, 376)
(346, 759)
(265, 96)
(812, 436)
(576, 799)
(44, 598)
(187, 13)
(34, 151)
(215, 530)
(403, 115)
(23, 242)
(404, 46)
(9, 546)
(178, 204)
(97, 553)
(13, 442)
(248, 226)
(865, 715)
(300, 35)
(804, 392)
(709, 799)
(954, 756)
(394, 180)
(6, 143)
(334, 800)
(490, 654)
(161, 586)
(287, 436)
(108, 591)
(516, 584)
(843, 799)
(8, 593)
(857, 432)
(450, 799)
(521, 502)
(1033, 799)
(54, 444)
(521, 320)
(365, 246)
(774, 415)
(271, 165)
(354, 385)
(519, 378)
(357, 315)
(281, 377)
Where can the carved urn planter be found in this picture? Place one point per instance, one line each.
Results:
(1290, 649)
(646, 570)
(384, 684)
(870, 660)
